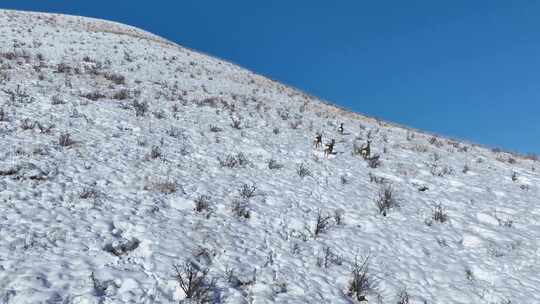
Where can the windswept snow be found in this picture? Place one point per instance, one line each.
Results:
(110, 135)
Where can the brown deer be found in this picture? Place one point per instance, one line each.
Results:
(365, 150)
(318, 140)
(329, 148)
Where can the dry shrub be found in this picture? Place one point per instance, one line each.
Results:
(322, 223)
(360, 283)
(302, 170)
(234, 161)
(202, 203)
(240, 208)
(65, 140)
(115, 78)
(161, 185)
(274, 165)
(385, 199)
(439, 214)
(192, 279)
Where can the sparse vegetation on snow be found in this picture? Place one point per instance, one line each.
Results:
(133, 170)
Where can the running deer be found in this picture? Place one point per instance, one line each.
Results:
(329, 148)
(318, 140)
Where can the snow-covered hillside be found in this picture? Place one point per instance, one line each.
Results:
(127, 161)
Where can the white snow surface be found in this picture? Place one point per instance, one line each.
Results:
(62, 208)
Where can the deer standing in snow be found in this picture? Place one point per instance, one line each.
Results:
(329, 148)
(365, 150)
(318, 140)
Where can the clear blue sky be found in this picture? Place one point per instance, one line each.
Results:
(467, 69)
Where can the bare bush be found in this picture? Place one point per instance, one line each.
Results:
(360, 283)
(374, 161)
(141, 108)
(385, 199)
(4, 77)
(202, 203)
(176, 132)
(27, 124)
(283, 113)
(435, 156)
(94, 96)
(94, 69)
(328, 258)
(115, 78)
(65, 140)
(295, 124)
(123, 94)
(128, 57)
(302, 170)
(322, 223)
(442, 242)
(404, 297)
(247, 191)
(274, 165)
(3, 115)
(439, 214)
(463, 149)
(162, 185)
(19, 95)
(376, 179)
(234, 161)
(159, 114)
(419, 148)
(204, 255)
(89, 193)
(506, 158)
(436, 142)
(8, 55)
(215, 129)
(209, 102)
(57, 100)
(440, 171)
(155, 153)
(192, 279)
(63, 68)
(100, 287)
(236, 122)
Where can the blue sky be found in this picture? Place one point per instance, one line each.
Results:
(466, 69)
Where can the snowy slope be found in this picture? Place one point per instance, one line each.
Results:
(111, 134)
